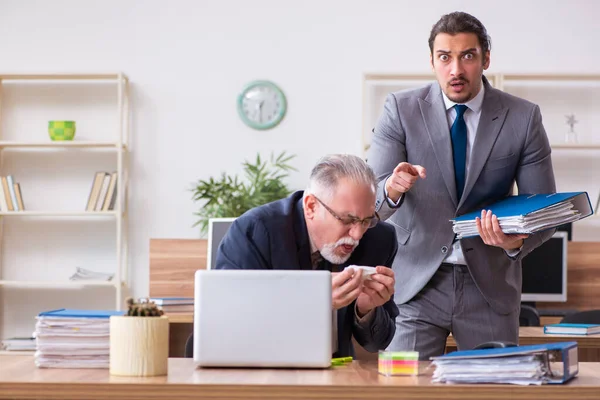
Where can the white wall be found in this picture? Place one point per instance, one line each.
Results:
(188, 60)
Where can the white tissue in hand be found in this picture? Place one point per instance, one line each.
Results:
(366, 271)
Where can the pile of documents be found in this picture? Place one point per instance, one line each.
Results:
(73, 339)
(521, 365)
(82, 274)
(18, 344)
(174, 305)
(529, 213)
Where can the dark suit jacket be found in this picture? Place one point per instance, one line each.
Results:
(274, 236)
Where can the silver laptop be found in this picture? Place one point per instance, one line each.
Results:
(262, 318)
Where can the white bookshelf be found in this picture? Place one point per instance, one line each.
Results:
(100, 104)
(65, 145)
(58, 284)
(86, 214)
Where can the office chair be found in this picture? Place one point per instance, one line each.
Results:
(529, 316)
(582, 317)
(189, 347)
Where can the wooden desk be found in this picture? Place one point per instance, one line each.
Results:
(589, 346)
(20, 379)
(180, 318)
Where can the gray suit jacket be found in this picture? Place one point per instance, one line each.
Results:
(510, 145)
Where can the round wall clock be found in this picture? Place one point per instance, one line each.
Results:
(261, 105)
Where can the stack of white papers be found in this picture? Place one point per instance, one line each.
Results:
(19, 344)
(73, 339)
(520, 370)
(528, 214)
(553, 363)
(82, 274)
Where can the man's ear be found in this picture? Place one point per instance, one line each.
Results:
(486, 60)
(309, 204)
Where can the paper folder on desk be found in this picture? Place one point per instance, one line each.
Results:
(529, 213)
(72, 338)
(74, 313)
(522, 365)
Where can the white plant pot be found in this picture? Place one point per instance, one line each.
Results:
(139, 346)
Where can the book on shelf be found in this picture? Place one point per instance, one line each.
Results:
(103, 192)
(111, 194)
(17, 189)
(168, 301)
(11, 198)
(529, 213)
(11, 189)
(572, 329)
(5, 201)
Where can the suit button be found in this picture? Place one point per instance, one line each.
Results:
(444, 249)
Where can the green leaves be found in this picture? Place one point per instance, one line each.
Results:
(231, 197)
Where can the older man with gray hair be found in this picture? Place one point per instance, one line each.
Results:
(330, 225)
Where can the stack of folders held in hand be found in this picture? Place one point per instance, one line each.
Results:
(529, 213)
(520, 365)
(73, 339)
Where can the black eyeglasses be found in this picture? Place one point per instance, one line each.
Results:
(365, 223)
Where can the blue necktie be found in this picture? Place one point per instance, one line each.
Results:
(458, 132)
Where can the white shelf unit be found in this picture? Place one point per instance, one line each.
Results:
(111, 86)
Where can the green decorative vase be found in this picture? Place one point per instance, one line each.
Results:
(61, 130)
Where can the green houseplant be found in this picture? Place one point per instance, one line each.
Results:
(229, 196)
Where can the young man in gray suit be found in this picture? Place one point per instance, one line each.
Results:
(440, 151)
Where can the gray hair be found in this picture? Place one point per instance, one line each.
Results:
(330, 169)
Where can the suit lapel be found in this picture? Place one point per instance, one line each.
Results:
(434, 115)
(491, 120)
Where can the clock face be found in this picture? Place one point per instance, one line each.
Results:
(262, 105)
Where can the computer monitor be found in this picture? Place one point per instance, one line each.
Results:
(545, 271)
(217, 228)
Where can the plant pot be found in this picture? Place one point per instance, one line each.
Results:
(139, 346)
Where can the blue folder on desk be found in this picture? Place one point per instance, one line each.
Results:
(560, 358)
(529, 213)
(73, 313)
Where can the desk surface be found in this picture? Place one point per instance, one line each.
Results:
(180, 318)
(535, 335)
(20, 379)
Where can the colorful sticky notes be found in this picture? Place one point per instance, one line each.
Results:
(398, 363)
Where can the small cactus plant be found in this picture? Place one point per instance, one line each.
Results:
(142, 308)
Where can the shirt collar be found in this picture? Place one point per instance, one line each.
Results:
(474, 104)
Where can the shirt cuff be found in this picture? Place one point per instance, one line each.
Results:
(514, 252)
(391, 202)
(366, 319)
